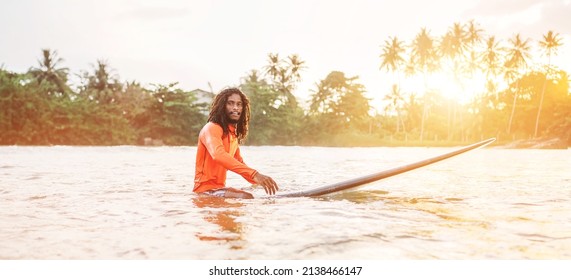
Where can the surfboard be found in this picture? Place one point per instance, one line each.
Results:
(352, 183)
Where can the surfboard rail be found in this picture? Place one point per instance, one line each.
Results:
(352, 183)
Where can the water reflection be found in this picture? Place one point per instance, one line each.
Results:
(360, 196)
(223, 213)
(430, 205)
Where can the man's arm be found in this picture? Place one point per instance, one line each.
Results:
(238, 156)
(270, 186)
(212, 140)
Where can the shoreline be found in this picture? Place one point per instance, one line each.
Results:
(552, 143)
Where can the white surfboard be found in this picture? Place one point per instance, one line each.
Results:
(341, 186)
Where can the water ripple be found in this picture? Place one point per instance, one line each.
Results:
(137, 203)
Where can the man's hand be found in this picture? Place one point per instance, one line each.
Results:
(267, 182)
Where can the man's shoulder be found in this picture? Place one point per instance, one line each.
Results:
(211, 127)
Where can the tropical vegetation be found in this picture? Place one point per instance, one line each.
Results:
(510, 90)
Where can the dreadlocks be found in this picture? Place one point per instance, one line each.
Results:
(218, 112)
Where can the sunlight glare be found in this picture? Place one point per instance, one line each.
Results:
(446, 86)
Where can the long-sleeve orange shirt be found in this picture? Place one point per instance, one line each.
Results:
(216, 153)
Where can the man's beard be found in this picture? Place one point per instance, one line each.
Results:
(232, 121)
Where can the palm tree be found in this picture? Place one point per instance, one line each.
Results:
(425, 57)
(395, 102)
(490, 58)
(451, 49)
(323, 98)
(252, 77)
(50, 72)
(295, 66)
(285, 75)
(392, 56)
(101, 85)
(102, 78)
(392, 59)
(550, 43)
(272, 69)
(474, 34)
(453, 43)
(518, 53)
(473, 39)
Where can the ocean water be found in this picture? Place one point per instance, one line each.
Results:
(127, 202)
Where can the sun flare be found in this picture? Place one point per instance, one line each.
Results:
(445, 85)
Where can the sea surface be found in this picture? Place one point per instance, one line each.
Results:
(128, 202)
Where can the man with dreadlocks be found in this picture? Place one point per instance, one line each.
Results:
(218, 149)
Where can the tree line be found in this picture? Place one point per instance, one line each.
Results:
(522, 96)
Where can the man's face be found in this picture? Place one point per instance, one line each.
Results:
(234, 108)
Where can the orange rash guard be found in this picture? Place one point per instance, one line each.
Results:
(216, 153)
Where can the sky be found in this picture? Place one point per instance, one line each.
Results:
(213, 44)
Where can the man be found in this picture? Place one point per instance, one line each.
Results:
(218, 150)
